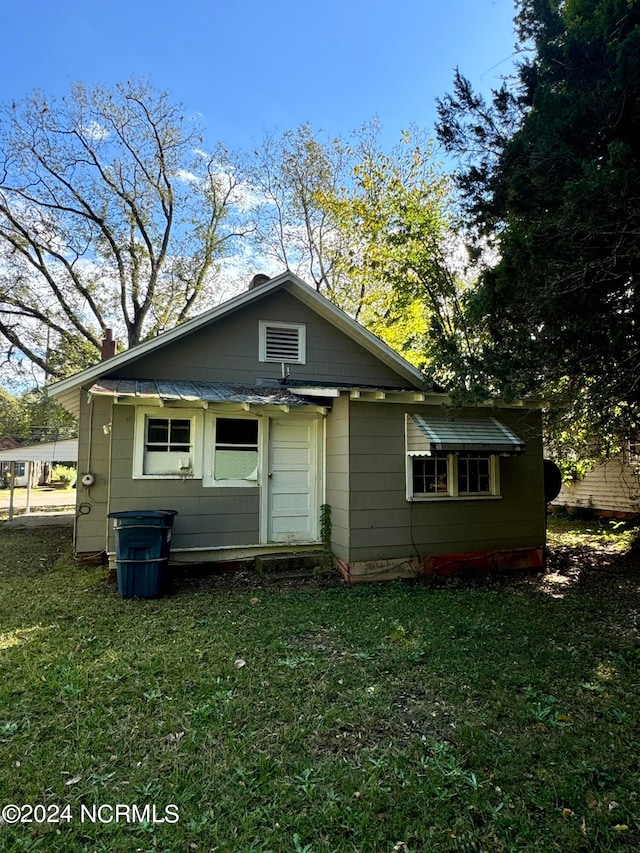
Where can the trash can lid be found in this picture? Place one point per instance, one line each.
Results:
(144, 513)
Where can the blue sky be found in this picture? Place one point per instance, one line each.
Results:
(253, 67)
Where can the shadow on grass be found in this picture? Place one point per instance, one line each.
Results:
(593, 569)
(596, 559)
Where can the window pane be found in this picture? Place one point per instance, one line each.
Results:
(430, 476)
(473, 475)
(168, 435)
(157, 430)
(180, 432)
(236, 431)
(236, 465)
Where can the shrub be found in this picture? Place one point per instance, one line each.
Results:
(64, 474)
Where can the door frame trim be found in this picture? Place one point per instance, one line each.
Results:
(316, 473)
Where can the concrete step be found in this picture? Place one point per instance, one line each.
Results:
(302, 564)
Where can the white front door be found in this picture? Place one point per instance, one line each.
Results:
(293, 480)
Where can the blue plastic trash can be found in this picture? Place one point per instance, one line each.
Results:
(143, 543)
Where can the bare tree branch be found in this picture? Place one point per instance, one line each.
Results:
(107, 200)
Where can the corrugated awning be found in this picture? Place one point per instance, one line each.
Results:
(426, 436)
(194, 392)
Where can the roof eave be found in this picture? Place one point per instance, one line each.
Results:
(295, 285)
(89, 374)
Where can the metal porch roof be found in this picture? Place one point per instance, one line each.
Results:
(426, 435)
(192, 392)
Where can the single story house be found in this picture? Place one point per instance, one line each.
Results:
(275, 407)
(30, 464)
(18, 474)
(610, 489)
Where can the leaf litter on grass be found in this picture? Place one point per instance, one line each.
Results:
(341, 730)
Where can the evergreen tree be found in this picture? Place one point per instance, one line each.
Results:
(550, 179)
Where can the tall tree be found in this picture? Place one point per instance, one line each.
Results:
(550, 178)
(32, 417)
(367, 226)
(401, 259)
(111, 215)
(290, 175)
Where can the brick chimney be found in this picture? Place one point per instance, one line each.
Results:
(108, 345)
(258, 279)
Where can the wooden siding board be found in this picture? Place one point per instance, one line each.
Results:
(613, 486)
(399, 528)
(337, 489)
(191, 530)
(90, 536)
(337, 447)
(227, 351)
(383, 524)
(90, 526)
(202, 540)
(208, 517)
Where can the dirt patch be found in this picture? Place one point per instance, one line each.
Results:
(33, 520)
(570, 570)
(214, 579)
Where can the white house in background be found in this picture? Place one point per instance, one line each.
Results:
(610, 489)
(34, 457)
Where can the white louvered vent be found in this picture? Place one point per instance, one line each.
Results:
(282, 342)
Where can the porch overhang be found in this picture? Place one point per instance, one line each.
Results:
(205, 394)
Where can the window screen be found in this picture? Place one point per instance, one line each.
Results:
(236, 449)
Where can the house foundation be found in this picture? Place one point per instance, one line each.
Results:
(475, 562)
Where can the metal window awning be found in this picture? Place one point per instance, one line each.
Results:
(426, 435)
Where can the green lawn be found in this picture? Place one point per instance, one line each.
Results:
(495, 715)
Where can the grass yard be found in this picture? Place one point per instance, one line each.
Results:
(495, 715)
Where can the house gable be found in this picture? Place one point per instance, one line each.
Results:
(356, 355)
(228, 350)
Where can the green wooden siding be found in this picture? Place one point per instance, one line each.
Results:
(227, 351)
(384, 525)
(337, 475)
(91, 517)
(207, 517)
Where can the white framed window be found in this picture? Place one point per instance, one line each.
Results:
(234, 450)
(456, 458)
(452, 475)
(430, 475)
(167, 443)
(282, 342)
